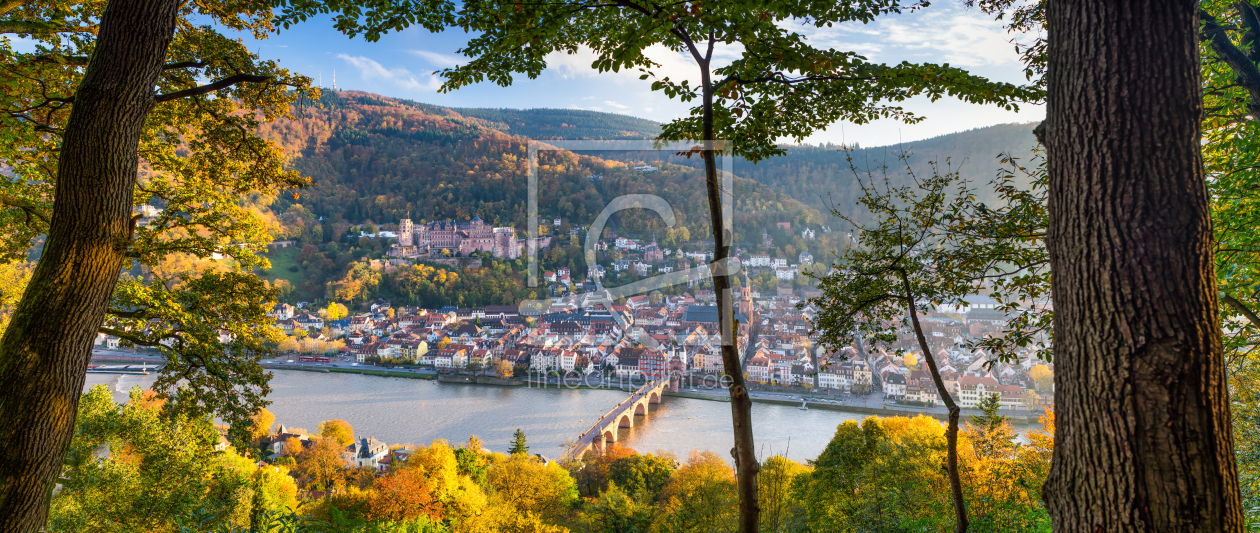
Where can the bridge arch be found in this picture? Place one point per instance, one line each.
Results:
(654, 397)
(610, 436)
(627, 420)
(640, 409)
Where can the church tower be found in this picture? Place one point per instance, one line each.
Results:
(745, 299)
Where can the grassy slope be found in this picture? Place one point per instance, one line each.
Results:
(281, 259)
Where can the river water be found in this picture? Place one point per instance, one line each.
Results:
(399, 410)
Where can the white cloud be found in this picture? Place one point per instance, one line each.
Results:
(674, 65)
(944, 34)
(436, 59)
(370, 70)
(615, 104)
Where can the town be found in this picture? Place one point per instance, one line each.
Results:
(581, 331)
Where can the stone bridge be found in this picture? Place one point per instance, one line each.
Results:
(621, 416)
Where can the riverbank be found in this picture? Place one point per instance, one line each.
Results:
(1018, 418)
(339, 370)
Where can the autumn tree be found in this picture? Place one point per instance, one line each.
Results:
(1043, 377)
(780, 510)
(503, 368)
(929, 243)
(322, 463)
(292, 447)
(161, 467)
(779, 86)
(338, 430)
(642, 475)
(700, 496)
(1140, 386)
(403, 495)
(260, 424)
(83, 108)
(531, 486)
(991, 434)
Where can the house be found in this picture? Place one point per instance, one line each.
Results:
(758, 368)
(281, 312)
(627, 367)
(309, 322)
(365, 452)
(972, 389)
(894, 386)
(652, 365)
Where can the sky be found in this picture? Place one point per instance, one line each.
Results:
(402, 64)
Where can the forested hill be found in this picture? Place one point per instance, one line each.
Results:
(545, 124)
(824, 176)
(379, 159)
(539, 124)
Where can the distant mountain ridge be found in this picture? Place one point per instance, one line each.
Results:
(577, 124)
(366, 153)
(379, 159)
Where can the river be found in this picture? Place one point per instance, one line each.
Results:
(399, 410)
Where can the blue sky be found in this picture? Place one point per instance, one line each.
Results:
(400, 65)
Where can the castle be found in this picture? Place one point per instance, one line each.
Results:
(461, 238)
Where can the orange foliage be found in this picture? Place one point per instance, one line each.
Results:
(403, 495)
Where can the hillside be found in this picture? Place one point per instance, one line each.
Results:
(546, 124)
(822, 177)
(381, 159)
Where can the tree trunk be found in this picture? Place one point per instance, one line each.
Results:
(1144, 437)
(951, 431)
(45, 351)
(744, 453)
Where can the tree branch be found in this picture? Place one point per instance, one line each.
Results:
(25, 205)
(39, 27)
(63, 60)
(185, 64)
(8, 5)
(136, 313)
(1241, 308)
(139, 341)
(1245, 72)
(223, 83)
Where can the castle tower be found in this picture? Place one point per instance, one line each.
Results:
(405, 233)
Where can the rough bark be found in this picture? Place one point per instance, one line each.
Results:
(951, 431)
(1144, 438)
(45, 351)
